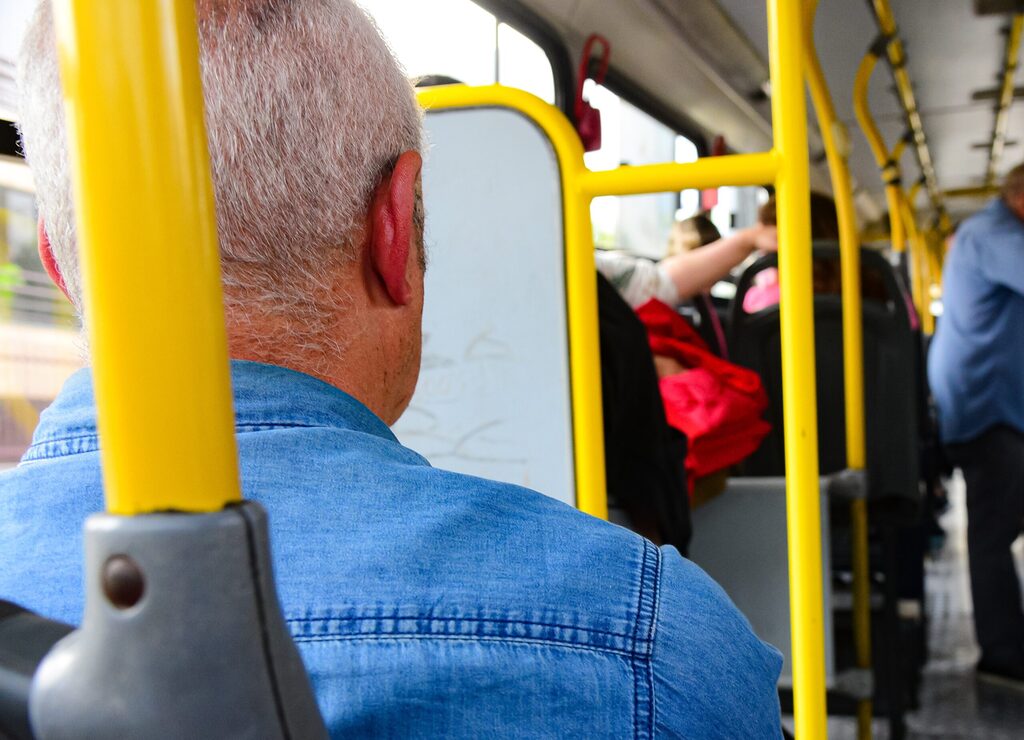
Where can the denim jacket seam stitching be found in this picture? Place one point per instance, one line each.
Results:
(636, 627)
(73, 434)
(470, 620)
(51, 449)
(640, 595)
(641, 662)
(464, 638)
(46, 448)
(655, 609)
(597, 642)
(655, 600)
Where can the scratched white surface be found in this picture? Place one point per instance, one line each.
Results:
(493, 398)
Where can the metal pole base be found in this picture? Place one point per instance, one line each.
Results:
(182, 636)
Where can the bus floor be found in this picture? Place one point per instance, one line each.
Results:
(954, 704)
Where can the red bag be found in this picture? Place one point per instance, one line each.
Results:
(716, 404)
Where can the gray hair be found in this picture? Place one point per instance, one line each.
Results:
(306, 111)
(1013, 183)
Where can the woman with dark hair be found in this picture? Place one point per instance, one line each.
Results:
(824, 226)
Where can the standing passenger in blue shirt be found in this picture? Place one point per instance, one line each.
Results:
(424, 603)
(976, 370)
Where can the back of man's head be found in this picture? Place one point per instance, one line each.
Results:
(306, 111)
(1013, 189)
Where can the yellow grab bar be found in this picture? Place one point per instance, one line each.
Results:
(150, 263)
(998, 142)
(893, 48)
(836, 140)
(890, 168)
(919, 272)
(709, 172)
(803, 491)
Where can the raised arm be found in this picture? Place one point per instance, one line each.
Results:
(695, 272)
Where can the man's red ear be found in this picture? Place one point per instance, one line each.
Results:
(48, 260)
(391, 226)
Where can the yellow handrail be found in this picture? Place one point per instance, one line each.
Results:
(803, 504)
(1002, 120)
(983, 191)
(150, 264)
(919, 272)
(890, 171)
(836, 140)
(731, 169)
(902, 222)
(905, 93)
(581, 288)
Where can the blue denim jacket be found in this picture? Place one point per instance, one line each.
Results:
(427, 603)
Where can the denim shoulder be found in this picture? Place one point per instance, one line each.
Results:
(713, 677)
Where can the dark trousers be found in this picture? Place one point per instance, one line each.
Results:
(993, 468)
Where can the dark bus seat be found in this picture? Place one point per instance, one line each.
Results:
(892, 373)
(25, 639)
(701, 314)
(644, 456)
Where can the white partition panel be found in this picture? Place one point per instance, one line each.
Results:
(493, 398)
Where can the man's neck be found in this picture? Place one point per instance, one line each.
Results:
(359, 378)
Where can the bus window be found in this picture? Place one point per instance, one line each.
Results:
(523, 64)
(737, 208)
(637, 224)
(38, 330)
(464, 42)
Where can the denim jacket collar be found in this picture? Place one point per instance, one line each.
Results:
(265, 397)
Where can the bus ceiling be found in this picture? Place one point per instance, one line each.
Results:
(707, 61)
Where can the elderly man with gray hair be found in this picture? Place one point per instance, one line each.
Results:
(424, 603)
(976, 371)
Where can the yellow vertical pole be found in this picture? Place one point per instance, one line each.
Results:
(836, 140)
(918, 267)
(935, 263)
(584, 344)
(789, 124)
(146, 231)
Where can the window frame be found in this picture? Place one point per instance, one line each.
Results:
(634, 94)
(543, 34)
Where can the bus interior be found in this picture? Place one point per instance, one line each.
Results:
(910, 127)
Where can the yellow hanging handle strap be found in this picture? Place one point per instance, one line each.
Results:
(148, 243)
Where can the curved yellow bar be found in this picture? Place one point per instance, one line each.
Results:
(581, 285)
(150, 262)
(836, 140)
(905, 93)
(998, 143)
(890, 173)
(920, 269)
